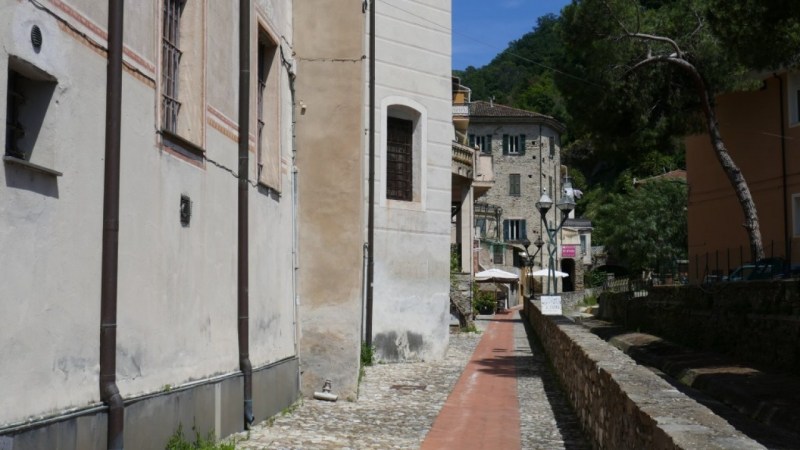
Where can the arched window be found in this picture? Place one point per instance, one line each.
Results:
(403, 151)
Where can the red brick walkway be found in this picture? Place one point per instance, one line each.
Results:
(482, 411)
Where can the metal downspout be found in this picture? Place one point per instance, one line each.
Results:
(371, 179)
(786, 237)
(109, 393)
(243, 250)
(295, 262)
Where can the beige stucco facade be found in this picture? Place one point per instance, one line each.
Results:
(330, 139)
(750, 124)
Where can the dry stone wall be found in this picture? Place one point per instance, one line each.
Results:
(757, 321)
(621, 404)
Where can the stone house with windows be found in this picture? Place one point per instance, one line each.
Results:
(524, 148)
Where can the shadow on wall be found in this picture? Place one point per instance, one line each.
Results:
(392, 347)
(22, 178)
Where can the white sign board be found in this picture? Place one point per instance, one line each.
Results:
(551, 305)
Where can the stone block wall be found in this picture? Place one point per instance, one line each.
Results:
(757, 322)
(621, 404)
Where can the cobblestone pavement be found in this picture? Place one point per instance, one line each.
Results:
(399, 402)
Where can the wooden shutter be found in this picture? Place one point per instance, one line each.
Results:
(521, 148)
(506, 226)
(505, 144)
(523, 230)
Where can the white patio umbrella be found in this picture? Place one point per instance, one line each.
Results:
(544, 273)
(496, 276)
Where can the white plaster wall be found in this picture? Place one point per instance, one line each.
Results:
(272, 294)
(411, 286)
(50, 231)
(177, 292)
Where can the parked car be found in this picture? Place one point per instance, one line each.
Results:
(764, 269)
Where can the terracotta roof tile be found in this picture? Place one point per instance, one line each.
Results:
(486, 109)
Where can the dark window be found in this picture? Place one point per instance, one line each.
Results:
(552, 145)
(14, 128)
(513, 185)
(514, 230)
(29, 95)
(480, 225)
(399, 165)
(513, 144)
(171, 59)
(484, 143)
(497, 254)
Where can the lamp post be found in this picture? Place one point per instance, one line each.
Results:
(565, 204)
(529, 259)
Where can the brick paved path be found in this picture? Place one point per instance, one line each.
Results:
(399, 403)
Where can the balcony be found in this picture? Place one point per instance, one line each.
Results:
(463, 163)
(460, 110)
(484, 175)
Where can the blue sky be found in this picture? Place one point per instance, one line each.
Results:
(483, 28)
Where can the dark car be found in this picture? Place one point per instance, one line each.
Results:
(763, 269)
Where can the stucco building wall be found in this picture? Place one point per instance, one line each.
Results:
(412, 238)
(330, 140)
(750, 124)
(176, 317)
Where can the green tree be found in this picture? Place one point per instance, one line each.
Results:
(655, 67)
(645, 227)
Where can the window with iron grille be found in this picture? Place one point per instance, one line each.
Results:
(262, 86)
(399, 155)
(513, 185)
(170, 64)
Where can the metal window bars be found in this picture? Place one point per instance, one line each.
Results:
(399, 169)
(171, 58)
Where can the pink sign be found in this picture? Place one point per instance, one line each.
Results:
(568, 251)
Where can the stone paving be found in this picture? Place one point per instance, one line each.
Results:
(399, 402)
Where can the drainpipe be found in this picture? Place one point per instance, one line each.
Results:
(371, 178)
(243, 253)
(786, 237)
(109, 393)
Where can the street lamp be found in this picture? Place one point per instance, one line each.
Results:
(565, 204)
(529, 259)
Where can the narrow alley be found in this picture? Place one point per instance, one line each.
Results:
(494, 389)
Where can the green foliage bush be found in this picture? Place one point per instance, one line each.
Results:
(178, 442)
(483, 301)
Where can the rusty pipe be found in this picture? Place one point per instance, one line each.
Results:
(243, 298)
(109, 393)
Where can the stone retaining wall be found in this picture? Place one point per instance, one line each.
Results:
(756, 322)
(621, 404)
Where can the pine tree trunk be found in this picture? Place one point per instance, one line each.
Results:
(733, 172)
